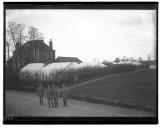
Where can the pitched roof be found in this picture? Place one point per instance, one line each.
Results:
(32, 67)
(68, 59)
(36, 43)
(40, 71)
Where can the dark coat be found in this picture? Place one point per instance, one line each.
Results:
(49, 94)
(54, 93)
(40, 91)
(64, 93)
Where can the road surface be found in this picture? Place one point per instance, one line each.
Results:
(19, 103)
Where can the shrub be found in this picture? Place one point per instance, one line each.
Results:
(67, 76)
(118, 68)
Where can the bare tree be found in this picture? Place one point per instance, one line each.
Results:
(21, 38)
(40, 36)
(108, 63)
(124, 58)
(15, 34)
(7, 50)
(15, 37)
(117, 60)
(12, 33)
(140, 59)
(21, 35)
(34, 34)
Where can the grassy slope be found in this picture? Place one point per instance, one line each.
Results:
(138, 88)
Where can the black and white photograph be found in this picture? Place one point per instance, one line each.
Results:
(73, 61)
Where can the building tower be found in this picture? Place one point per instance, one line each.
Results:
(51, 44)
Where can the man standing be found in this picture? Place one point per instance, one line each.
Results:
(64, 94)
(40, 93)
(49, 96)
(55, 95)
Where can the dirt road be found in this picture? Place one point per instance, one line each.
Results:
(20, 103)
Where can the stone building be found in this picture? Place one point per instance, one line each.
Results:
(35, 51)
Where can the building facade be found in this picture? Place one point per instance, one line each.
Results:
(35, 51)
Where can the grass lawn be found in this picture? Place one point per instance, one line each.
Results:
(136, 88)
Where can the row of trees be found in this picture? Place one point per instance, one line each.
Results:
(117, 59)
(18, 34)
(124, 58)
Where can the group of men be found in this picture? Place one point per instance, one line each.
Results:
(52, 94)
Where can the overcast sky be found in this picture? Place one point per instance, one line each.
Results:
(89, 34)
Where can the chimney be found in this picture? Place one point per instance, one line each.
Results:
(51, 44)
